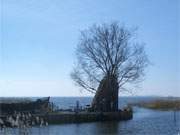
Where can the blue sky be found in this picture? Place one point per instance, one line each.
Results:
(38, 40)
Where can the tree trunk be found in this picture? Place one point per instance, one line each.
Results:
(106, 97)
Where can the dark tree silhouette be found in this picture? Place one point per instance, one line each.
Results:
(107, 59)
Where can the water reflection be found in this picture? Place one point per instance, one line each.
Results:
(106, 128)
(95, 128)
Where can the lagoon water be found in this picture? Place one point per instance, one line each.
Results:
(144, 122)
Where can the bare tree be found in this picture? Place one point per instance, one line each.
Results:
(107, 51)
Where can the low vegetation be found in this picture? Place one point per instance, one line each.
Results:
(160, 104)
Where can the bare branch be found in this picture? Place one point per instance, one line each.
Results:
(107, 50)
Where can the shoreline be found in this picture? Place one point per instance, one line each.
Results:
(63, 118)
(163, 105)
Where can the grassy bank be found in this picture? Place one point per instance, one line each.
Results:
(160, 104)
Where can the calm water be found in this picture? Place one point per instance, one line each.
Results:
(144, 122)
